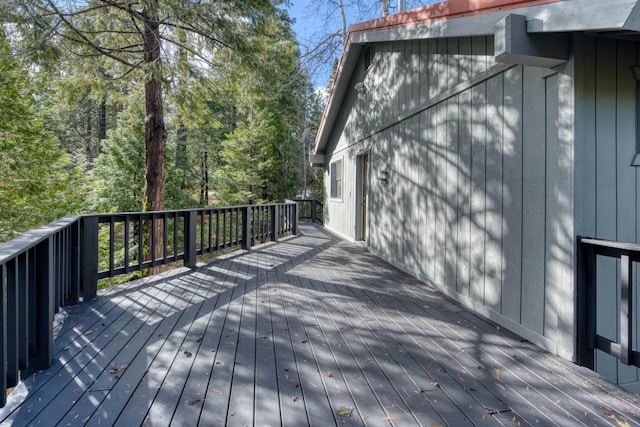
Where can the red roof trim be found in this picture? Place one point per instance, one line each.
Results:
(444, 10)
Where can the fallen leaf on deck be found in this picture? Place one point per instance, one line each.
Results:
(187, 353)
(297, 385)
(329, 374)
(199, 340)
(193, 402)
(435, 425)
(117, 369)
(295, 398)
(344, 412)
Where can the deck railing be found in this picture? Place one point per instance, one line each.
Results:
(310, 210)
(58, 264)
(588, 339)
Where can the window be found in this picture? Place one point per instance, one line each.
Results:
(336, 180)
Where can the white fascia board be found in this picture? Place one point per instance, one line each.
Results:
(340, 87)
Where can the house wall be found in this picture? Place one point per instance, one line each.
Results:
(607, 185)
(480, 193)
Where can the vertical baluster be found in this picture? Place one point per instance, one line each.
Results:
(153, 240)
(224, 228)
(140, 241)
(11, 279)
(209, 216)
(164, 238)
(626, 310)
(3, 334)
(44, 307)
(24, 320)
(74, 262)
(217, 229)
(111, 245)
(175, 236)
(127, 231)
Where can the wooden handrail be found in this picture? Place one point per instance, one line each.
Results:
(58, 265)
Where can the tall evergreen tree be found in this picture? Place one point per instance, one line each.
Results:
(139, 39)
(37, 183)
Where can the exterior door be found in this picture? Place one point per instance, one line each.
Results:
(363, 190)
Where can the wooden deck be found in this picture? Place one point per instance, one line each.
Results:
(311, 330)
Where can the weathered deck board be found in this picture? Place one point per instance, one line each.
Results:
(307, 331)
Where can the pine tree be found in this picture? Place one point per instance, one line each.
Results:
(37, 183)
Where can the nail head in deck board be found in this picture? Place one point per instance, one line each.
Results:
(310, 305)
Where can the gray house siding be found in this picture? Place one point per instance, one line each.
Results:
(478, 201)
(607, 185)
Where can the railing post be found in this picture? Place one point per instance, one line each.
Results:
(313, 210)
(275, 222)
(246, 227)
(586, 304)
(626, 310)
(74, 263)
(294, 219)
(89, 256)
(190, 226)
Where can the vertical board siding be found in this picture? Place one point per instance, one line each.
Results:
(466, 204)
(606, 197)
(609, 187)
(625, 151)
(533, 205)
(512, 195)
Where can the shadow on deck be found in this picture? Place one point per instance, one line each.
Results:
(311, 330)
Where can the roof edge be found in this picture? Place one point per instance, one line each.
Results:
(443, 10)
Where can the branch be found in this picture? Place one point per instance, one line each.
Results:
(84, 39)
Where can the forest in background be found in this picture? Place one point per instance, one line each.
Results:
(237, 107)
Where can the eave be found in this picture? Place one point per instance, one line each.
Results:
(464, 18)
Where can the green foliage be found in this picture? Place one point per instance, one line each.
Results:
(234, 116)
(118, 176)
(37, 183)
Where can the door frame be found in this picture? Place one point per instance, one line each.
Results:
(362, 195)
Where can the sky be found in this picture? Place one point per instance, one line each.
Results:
(314, 18)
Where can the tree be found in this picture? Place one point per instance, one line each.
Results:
(260, 160)
(138, 40)
(37, 183)
(322, 46)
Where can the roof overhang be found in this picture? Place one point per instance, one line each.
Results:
(462, 18)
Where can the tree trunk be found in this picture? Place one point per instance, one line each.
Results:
(182, 162)
(155, 134)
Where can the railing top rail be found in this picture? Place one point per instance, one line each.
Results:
(610, 244)
(182, 211)
(33, 237)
